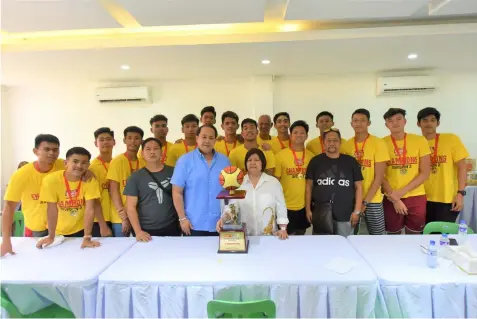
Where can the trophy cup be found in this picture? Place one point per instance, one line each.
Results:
(233, 236)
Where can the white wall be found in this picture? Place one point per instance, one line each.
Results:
(68, 108)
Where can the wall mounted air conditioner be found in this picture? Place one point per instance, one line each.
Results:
(131, 94)
(405, 84)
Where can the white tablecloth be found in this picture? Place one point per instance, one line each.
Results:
(176, 277)
(409, 287)
(66, 274)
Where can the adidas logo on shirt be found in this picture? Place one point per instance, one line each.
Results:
(331, 182)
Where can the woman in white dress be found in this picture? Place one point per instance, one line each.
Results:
(263, 209)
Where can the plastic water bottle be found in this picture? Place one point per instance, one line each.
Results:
(443, 246)
(432, 255)
(462, 232)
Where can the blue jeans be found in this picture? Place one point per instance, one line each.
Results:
(117, 229)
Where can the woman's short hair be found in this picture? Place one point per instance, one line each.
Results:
(260, 155)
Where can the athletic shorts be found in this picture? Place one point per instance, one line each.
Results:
(297, 220)
(440, 212)
(415, 220)
(374, 217)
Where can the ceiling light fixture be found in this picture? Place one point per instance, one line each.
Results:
(125, 67)
(412, 56)
(265, 61)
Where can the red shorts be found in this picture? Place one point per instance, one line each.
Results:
(28, 233)
(415, 220)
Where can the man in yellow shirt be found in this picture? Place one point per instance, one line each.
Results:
(121, 167)
(249, 133)
(159, 129)
(189, 123)
(291, 164)
(208, 115)
(324, 122)
(70, 201)
(230, 126)
(104, 141)
(25, 185)
(372, 155)
(445, 187)
(408, 169)
(281, 121)
(264, 126)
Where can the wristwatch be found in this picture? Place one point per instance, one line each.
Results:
(365, 203)
(357, 213)
(283, 227)
(463, 192)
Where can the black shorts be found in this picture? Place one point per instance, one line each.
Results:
(77, 234)
(440, 212)
(96, 232)
(297, 220)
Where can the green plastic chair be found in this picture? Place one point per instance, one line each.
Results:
(53, 311)
(247, 309)
(18, 229)
(444, 228)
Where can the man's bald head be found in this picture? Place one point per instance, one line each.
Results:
(265, 124)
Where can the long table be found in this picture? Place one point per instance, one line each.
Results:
(66, 274)
(411, 289)
(176, 277)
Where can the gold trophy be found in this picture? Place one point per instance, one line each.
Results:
(233, 236)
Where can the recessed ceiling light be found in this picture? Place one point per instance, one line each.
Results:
(265, 61)
(412, 56)
(125, 67)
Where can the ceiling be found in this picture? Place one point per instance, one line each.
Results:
(164, 39)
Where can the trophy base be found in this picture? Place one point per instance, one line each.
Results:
(233, 241)
(236, 194)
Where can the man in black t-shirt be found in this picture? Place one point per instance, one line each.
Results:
(333, 189)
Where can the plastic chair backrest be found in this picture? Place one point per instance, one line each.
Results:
(9, 307)
(247, 309)
(18, 224)
(444, 227)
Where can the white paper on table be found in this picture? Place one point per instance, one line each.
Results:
(341, 265)
(57, 241)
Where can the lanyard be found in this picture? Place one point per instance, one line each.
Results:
(281, 143)
(402, 159)
(227, 148)
(322, 146)
(164, 154)
(360, 154)
(68, 190)
(130, 164)
(102, 162)
(298, 162)
(434, 157)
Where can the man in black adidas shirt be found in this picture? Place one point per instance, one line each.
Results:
(333, 189)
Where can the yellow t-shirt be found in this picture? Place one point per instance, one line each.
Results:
(221, 148)
(289, 173)
(277, 146)
(315, 147)
(177, 150)
(442, 185)
(260, 141)
(119, 171)
(165, 152)
(70, 211)
(416, 147)
(237, 157)
(25, 186)
(375, 151)
(101, 172)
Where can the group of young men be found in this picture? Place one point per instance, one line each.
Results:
(163, 188)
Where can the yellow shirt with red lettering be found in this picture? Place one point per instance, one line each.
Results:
(25, 186)
(292, 176)
(278, 145)
(177, 150)
(70, 210)
(119, 171)
(375, 151)
(315, 146)
(237, 157)
(442, 185)
(225, 148)
(165, 152)
(101, 173)
(399, 175)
